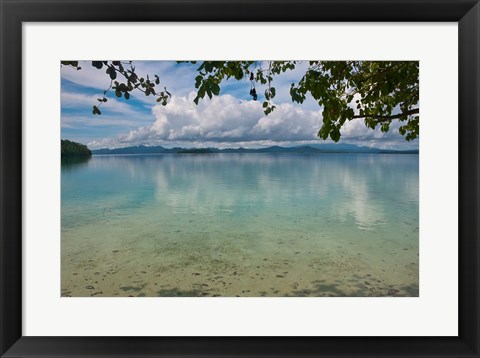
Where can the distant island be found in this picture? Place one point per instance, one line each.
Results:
(313, 148)
(74, 149)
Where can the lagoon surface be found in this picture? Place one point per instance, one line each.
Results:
(240, 225)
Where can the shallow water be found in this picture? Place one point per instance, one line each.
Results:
(240, 225)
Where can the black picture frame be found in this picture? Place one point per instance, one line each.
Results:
(15, 12)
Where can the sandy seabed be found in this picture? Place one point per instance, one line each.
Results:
(203, 264)
(241, 225)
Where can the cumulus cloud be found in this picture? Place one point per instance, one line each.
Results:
(225, 121)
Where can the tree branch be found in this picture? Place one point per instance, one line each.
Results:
(386, 70)
(388, 118)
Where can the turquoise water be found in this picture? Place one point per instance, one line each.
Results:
(240, 225)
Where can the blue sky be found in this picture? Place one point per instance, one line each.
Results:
(231, 119)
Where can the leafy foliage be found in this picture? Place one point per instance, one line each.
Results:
(378, 92)
(124, 80)
(69, 148)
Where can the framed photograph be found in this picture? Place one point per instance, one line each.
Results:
(239, 178)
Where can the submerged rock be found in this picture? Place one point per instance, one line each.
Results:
(392, 291)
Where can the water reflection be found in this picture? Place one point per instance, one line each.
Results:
(364, 188)
(72, 162)
(241, 224)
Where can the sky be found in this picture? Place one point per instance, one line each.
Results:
(230, 120)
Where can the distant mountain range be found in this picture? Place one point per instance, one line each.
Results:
(312, 148)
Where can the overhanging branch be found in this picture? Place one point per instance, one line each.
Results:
(388, 118)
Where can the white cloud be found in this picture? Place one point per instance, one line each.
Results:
(79, 100)
(178, 79)
(83, 122)
(88, 76)
(225, 121)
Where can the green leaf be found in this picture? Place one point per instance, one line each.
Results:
(111, 71)
(127, 95)
(349, 113)
(215, 89)
(201, 92)
(239, 74)
(70, 63)
(208, 66)
(323, 133)
(335, 135)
